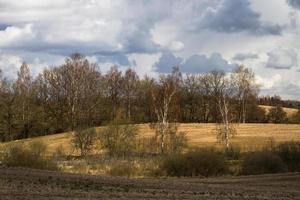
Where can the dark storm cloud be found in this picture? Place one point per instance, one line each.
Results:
(237, 16)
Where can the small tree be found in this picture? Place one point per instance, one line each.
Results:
(163, 97)
(277, 115)
(296, 117)
(84, 139)
(223, 90)
(119, 140)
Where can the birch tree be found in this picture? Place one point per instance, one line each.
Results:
(245, 86)
(163, 96)
(23, 88)
(224, 91)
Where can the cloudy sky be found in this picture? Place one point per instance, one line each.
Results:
(151, 36)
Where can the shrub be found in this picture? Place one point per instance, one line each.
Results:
(32, 157)
(277, 115)
(233, 152)
(199, 162)
(296, 117)
(84, 139)
(168, 139)
(289, 152)
(123, 169)
(119, 140)
(262, 163)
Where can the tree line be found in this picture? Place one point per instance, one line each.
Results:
(77, 95)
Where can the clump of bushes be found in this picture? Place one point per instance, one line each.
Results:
(199, 162)
(84, 139)
(262, 163)
(289, 152)
(119, 140)
(233, 152)
(127, 169)
(33, 156)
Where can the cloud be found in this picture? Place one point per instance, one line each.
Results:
(237, 16)
(176, 46)
(3, 26)
(245, 56)
(9, 65)
(286, 90)
(294, 3)
(202, 63)
(81, 26)
(117, 58)
(13, 36)
(193, 64)
(282, 59)
(166, 62)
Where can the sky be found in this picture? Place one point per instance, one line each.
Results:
(152, 36)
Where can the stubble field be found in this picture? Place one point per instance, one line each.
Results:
(26, 184)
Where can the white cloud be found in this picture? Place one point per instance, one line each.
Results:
(282, 58)
(9, 65)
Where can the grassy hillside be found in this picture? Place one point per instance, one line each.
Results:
(289, 111)
(249, 136)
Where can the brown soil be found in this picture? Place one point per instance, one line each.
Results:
(19, 183)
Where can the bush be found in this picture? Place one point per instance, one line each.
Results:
(262, 163)
(289, 152)
(200, 162)
(277, 115)
(233, 152)
(123, 169)
(119, 140)
(84, 139)
(32, 157)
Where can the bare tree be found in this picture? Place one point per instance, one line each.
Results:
(23, 88)
(84, 139)
(222, 87)
(8, 110)
(114, 88)
(130, 85)
(73, 92)
(244, 83)
(163, 98)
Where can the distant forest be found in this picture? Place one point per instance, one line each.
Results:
(77, 95)
(276, 100)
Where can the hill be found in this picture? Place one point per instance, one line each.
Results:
(249, 136)
(289, 111)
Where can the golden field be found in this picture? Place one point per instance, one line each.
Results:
(289, 111)
(249, 136)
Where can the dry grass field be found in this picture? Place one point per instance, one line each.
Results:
(249, 136)
(27, 184)
(289, 111)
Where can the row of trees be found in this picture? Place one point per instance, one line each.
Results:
(76, 94)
